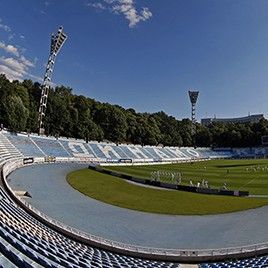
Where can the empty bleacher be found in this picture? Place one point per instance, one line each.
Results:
(32, 145)
(23, 144)
(39, 245)
(259, 262)
(50, 147)
(26, 242)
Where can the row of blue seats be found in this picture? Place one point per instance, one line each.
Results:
(48, 248)
(33, 145)
(258, 262)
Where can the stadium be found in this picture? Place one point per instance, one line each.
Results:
(36, 233)
(91, 184)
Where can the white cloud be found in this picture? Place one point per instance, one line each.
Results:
(126, 8)
(146, 13)
(11, 36)
(27, 62)
(4, 27)
(9, 49)
(10, 74)
(14, 64)
(97, 5)
(15, 68)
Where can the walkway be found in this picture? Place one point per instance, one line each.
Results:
(52, 195)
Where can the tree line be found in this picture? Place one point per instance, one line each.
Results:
(81, 117)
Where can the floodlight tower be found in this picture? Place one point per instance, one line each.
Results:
(57, 41)
(193, 99)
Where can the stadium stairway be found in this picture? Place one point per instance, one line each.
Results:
(7, 150)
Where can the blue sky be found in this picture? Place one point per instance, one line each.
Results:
(146, 54)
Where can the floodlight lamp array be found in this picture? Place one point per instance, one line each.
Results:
(193, 96)
(57, 41)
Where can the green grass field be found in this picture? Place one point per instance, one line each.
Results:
(118, 192)
(244, 175)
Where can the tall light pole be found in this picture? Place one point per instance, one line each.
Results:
(57, 42)
(193, 99)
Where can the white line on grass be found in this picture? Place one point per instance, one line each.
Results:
(246, 183)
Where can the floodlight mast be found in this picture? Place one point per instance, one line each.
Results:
(193, 99)
(57, 42)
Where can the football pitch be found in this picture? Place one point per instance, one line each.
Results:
(244, 175)
(249, 175)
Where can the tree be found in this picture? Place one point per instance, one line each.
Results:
(81, 117)
(185, 129)
(16, 113)
(203, 137)
(113, 123)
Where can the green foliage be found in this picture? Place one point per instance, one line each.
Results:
(81, 117)
(17, 114)
(113, 122)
